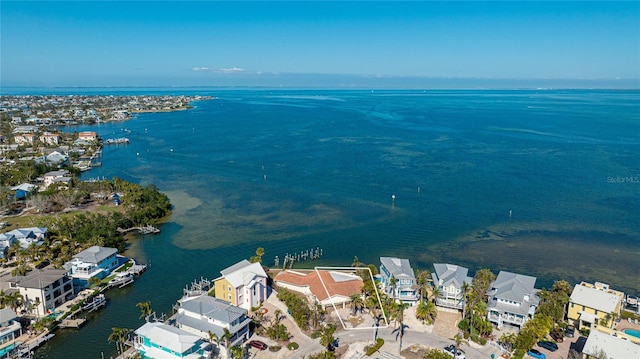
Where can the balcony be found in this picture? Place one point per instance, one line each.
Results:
(450, 302)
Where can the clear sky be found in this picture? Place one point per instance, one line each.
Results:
(325, 44)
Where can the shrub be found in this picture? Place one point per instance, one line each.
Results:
(315, 335)
(293, 346)
(274, 348)
(378, 345)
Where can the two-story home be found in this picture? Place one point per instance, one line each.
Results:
(512, 299)
(50, 138)
(204, 314)
(10, 329)
(592, 304)
(324, 287)
(449, 279)
(45, 289)
(398, 280)
(25, 139)
(93, 262)
(55, 177)
(89, 136)
(155, 340)
(244, 284)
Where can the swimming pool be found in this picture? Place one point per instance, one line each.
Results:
(632, 332)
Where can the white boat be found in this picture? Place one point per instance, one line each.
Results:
(94, 302)
(121, 279)
(632, 300)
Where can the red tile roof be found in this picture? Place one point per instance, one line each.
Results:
(310, 279)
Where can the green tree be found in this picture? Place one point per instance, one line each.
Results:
(357, 303)
(426, 312)
(326, 336)
(145, 310)
(119, 336)
(436, 354)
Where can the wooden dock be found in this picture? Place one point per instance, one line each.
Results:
(72, 323)
(148, 229)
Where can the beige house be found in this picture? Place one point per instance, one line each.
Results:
(51, 138)
(25, 139)
(45, 289)
(593, 304)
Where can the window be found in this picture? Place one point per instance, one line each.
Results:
(229, 296)
(229, 288)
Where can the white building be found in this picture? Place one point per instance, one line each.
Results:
(512, 299)
(45, 289)
(399, 270)
(450, 278)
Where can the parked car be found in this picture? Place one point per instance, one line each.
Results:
(258, 344)
(570, 331)
(536, 354)
(451, 349)
(557, 334)
(550, 346)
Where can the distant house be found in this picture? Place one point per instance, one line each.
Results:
(512, 299)
(10, 329)
(449, 278)
(400, 271)
(324, 287)
(156, 340)
(599, 343)
(56, 158)
(45, 289)
(27, 236)
(590, 304)
(25, 139)
(93, 262)
(204, 314)
(23, 190)
(6, 240)
(50, 138)
(243, 284)
(88, 136)
(56, 177)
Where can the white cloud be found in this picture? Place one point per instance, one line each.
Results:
(231, 70)
(200, 69)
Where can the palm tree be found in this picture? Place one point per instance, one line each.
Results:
(119, 336)
(435, 292)
(145, 310)
(423, 282)
(326, 336)
(226, 337)
(398, 315)
(213, 337)
(357, 303)
(14, 300)
(392, 285)
(426, 311)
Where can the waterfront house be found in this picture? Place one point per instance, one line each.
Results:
(512, 299)
(6, 240)
(45, 289)
(204, 314)
(88, 136)
(243, 284)
(612, 346)
(56, 158)
(398, 280)
(156, 340)
(449, 279)
(10, 329)
(592, 304)
(327, 288)
(93, 262)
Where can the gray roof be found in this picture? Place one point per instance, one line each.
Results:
(614, 347)
(95, 254)
(513, 286)
(7, 314)
(451, 274)
(39, 278)
(214, 308)
(398, 267)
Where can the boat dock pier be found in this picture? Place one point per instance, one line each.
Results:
(148, 229)
(289, 259)
(72, 323)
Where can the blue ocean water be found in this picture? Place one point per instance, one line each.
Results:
(544, 183)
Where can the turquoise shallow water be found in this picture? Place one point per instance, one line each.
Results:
(291, 170)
